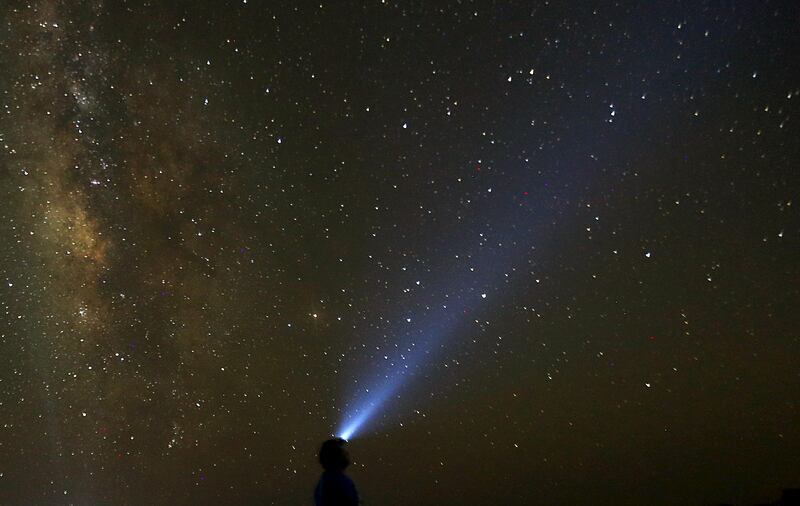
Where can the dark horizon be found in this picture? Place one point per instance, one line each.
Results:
(549, 252)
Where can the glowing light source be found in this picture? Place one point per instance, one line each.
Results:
(473, 265)
(362, 413)
(426, 337)
(349, 430)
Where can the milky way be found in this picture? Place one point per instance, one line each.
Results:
(550, 250)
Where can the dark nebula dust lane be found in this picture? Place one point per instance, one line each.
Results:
(550, 247)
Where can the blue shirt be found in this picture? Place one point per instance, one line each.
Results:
(335, 489)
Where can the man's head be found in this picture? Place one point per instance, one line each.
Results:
(333, 456)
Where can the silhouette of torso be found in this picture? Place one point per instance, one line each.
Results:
(335, 489)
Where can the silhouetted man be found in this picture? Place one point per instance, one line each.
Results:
(335, 488)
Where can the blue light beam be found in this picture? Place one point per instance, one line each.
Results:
(424, 340)
(565, 179)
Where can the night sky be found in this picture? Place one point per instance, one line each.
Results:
(549, 250)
